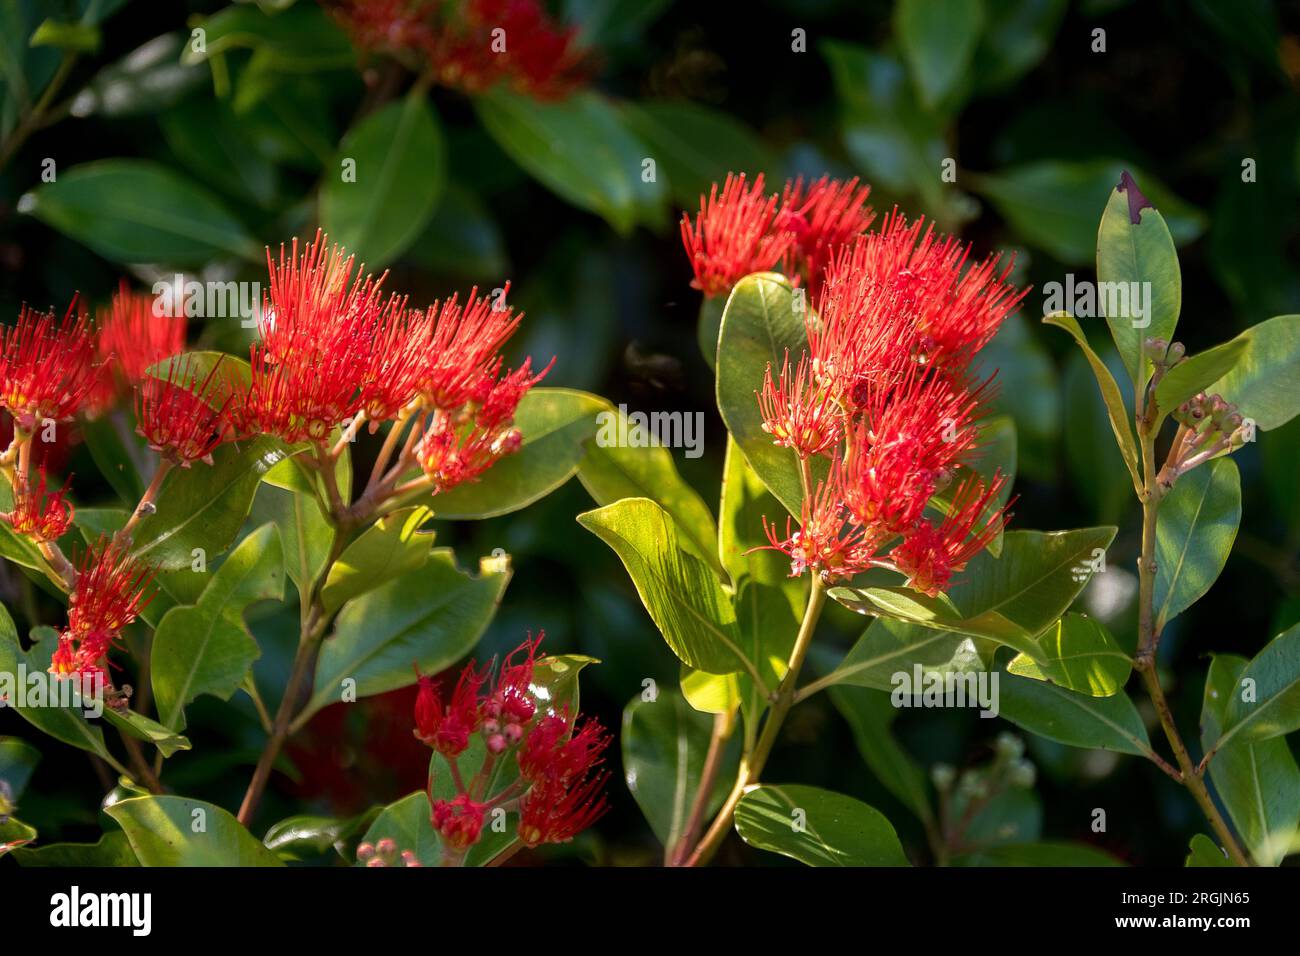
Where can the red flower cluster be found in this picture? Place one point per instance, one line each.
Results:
(40, 516)
(883, 390)
(181, 417)
(109, 594)
(47, 367)
(743, 230)
(557, 787)
(335, 346)
(473, 45)
(131, 335)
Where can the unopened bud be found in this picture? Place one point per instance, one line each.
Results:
(1022, 774)
(1176, 353)
(365, 851)
(496, 743)
(1009, 746)
(1155, 349)
(942, 775)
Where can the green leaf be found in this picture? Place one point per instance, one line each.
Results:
(612, 470)
(888, 647)
(18, 760)
(1080, 655)
(219, 148)
(1094, 462)
(1136, 256)
(1266, 702)
(135, 211)
(462, 238)
(70, 37)
(938, 38)
(207, 648)
(1197, 524)
(429, 617)
(112, 849)
(742, 544)
(817, 827)
(305, 533)
(204, 506)
(1258, 782)
(556, 424)
(151, 732)
(399, 159)
(1053, 204)
(871, 714)
(1110, 393)
(683, 596)
(1108, 723)
(1011, 599)
(1052, 853)
(146, 81)
(1196, 373)
(696, 146)
(68, 724)
(578, 148)
(14, 835)
(1264, 383)
(759, 325)
(175, 831)
(111, 442)
(305, 837)
(1017, 36)
(665, 742)
(1205, 852)
(300, 38)
(409, 825)
(391, 547)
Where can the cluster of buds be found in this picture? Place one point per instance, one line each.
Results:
(473, 45)
(884, 390)
(538, 762)
(109, 593)
(1209, 426)
(1009, 769)
(742, 229)
(385, 853)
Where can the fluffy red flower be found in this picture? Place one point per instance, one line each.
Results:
(556, 810)
(799, 413)
(36, 514)
(47, 367)
(131, 335)
(930, 555)
(532, 54)
(447, 726)
(827, 541)
(180, 416)
(109, 594)
(733, 235)
(459, 820)
(820, 218)
(463, 344)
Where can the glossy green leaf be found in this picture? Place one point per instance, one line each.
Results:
(150, 731)
(409, 825)
(696, 146)
(207, 648)
(580, 149)
(888, 647)
(1011, 599)
(305, 837)
(683, 596)
(1110, 393)
(1264, 382)
(391, 547)
(938, 39)
(204, 506)
(112, 849)
(115, 448)
(613, 469)
(175, 831)
(1078, 654)
(382, 188)
(557, 424)
(870, 714)
(1196, 527)
(1051, 853)
(1203, 851)
(817, 827)
(1108, 723)
(1266, 702)
(1054, 205)
(760, 323)
(18, 759)
(135, 211)
(305, 533)
(1137, 261)
(1257, 781)
(429, 617)
(665, 742)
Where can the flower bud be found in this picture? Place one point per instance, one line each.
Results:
(1009, 746)
(942, 776)
(1022, 774)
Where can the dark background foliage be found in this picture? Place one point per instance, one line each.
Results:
(1182, 95)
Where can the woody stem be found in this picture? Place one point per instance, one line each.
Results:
(147, 502)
